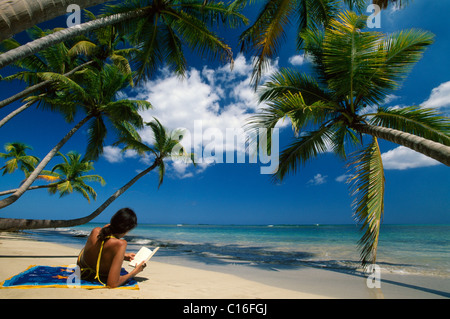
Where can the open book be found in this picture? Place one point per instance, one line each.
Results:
(144, 254)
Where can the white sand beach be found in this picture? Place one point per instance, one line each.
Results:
(176, 278)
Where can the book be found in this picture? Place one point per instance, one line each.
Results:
(144, 254)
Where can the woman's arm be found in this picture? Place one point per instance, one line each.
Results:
(114, 277)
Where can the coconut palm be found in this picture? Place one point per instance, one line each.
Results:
(96, 93)
(68, 177)
(159, 26)
(69, 56)
(103, 45)
(18, 15)
(355, 69)
(166, 146)
(18, 159)
(267, 34)
(53, 59)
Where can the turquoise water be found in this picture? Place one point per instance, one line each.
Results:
(408, 249)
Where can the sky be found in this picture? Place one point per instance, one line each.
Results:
(214, 100)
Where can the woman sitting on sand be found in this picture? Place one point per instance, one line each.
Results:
(102, 257)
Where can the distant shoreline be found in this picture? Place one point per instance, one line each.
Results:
(179, 278)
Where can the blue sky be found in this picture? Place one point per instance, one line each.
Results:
(417, 188)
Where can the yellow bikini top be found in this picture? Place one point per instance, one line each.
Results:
(97, 269)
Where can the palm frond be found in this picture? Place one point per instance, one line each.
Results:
(97, 132)
(305, 148)
(123, 65)
(425, 122)
(214, 13)
(85, 47)
(198, 37)
(93, 178)
(47, 177)
(62, 82)
(314, 15)
(161, 172)
(403, 50)
(367, 187)
(264, 37)
(173, 50)
(350, 57)
(291, 81)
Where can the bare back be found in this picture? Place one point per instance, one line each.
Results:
(111, 248)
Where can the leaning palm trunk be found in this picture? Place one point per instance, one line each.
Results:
(11, 191)
(32, 177)
(63, 35)
(4, 120)
(28, 91)
(437, 151)
(13, 224)
(38, 86)
(19, 15)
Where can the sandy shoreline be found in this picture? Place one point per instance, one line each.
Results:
(175, 278)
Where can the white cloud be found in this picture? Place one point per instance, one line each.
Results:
(439, 97)
(180, 169)
(402, 158)
(342, 178)
(221, 98)
(298, 60)
(207, 100)
(112, 154)
(318, 179)
(389, 98)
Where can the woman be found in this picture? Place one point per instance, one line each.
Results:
(102, 257)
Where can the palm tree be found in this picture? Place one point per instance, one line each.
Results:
(166, 145)
(355, 69)
(67, 57)
(18, 15)
(16, 151)
(96, 95)
(68, 177)
(102, 45)
(161, 25)
(268, 32)
(53, 59)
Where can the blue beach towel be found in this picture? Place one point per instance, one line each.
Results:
(57, 277)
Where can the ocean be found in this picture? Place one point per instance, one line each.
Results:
(402, 249)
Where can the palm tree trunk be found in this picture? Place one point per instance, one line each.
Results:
(15, 112)
(29, 188)
(13, 224)
(38, 86)
(19, 15)
(39, 44)
(437, 151)
(23, 188)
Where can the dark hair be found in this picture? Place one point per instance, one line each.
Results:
(123, 221)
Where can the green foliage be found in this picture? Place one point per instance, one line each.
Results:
(166, 145)
(354, 68)
(160, 36)
(18, 159)
(367, 186)
(70, 176)
(96, 93)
